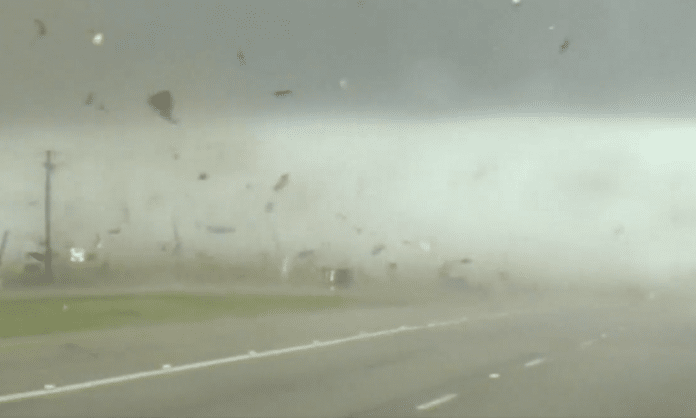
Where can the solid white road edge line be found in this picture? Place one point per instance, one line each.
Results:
(210, 363)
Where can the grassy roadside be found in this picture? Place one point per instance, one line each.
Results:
(55, 314)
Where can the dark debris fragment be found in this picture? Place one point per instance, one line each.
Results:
(304, 254)
(378, 249)
(220, 229)
(282, 182)
(40, 28)
(163, 103)
(564, 46)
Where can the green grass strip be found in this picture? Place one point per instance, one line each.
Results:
(36, 316)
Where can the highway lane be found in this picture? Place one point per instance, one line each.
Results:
(619, 359)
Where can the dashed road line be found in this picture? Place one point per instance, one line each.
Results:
(436, 402)
(587, 343)
(535, 362)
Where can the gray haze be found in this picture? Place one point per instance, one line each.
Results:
(553, 139)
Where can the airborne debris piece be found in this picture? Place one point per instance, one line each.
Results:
(37, 256)
(465, 260)
(282, 182)
(40, 28)
(98, 39)
(115, 231)
(564, 46)
(306, 253)
(378, 249)
(4, 243)
(220, 229)
(163, 103)
(77, 255)
(282, 93)
(269, 207)
(240, 56)
(90, 99)
(203, 176)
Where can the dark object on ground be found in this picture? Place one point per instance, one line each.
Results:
(203, 176)
(90, 99)
(342, 278)
(269, 207)
(459, 284)
(282, 182)
(282, 93)
(306, 253)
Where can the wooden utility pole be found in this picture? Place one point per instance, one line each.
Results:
(48, 270)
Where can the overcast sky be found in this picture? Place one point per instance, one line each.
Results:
(394, 56)
(572, 183)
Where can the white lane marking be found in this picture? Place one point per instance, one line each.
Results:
(436, 402)
(535, 362)
(210, 363)
(494, 375)
(166, 366)
(49, 387)
(587, 343)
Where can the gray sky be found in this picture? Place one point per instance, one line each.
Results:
(396, 56)
(563, 190)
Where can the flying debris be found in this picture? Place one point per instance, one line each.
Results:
(378, 249)
(40, 28)
(306, 253)
(98, 39)
(220, 229)
(38, 256)
(282, 93)
(282, 182)
(163, 103)
(564, 46)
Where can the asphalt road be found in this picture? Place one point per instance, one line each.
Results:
(615, 358)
